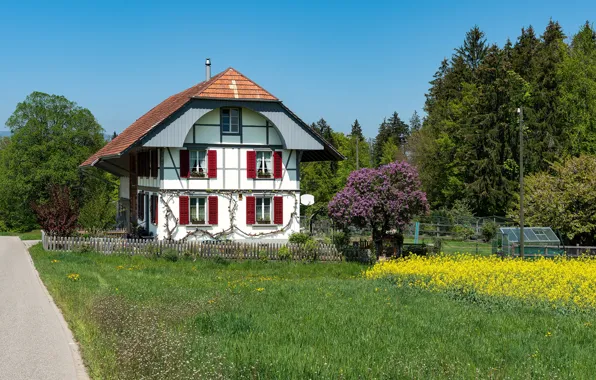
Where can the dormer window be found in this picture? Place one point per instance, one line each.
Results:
(230, 120)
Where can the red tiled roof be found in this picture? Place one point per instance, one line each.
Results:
(229, 84)
(233, 85)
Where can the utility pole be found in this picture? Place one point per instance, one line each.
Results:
(357, 160)
(521, 181)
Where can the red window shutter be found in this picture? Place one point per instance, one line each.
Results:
(250, 210)
(213, 210)
(212, 163)
(154, 162)
(278, 210)
(251, 164)
(277, 165)
(184, 210)
(184, 164)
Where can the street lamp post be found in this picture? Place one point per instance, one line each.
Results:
(521, 182)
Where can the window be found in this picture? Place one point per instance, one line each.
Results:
(230, 120)
(264, 167)
(198, 210)
(263, 208)
(198, 163)
(141, 206)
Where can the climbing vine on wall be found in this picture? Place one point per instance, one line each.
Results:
(171, 223)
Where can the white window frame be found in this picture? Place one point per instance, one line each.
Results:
(262, 199)
(195, 171)
(230, 126)
(265, 163)
(195, 217)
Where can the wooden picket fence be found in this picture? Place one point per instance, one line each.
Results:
(192, 249)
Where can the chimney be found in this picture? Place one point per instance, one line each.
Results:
(207, 69)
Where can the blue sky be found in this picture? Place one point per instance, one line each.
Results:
(338, 60)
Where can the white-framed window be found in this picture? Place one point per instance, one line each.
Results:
(263, 210)
(198, 210)
(198, 163)
(230, 120)
(264, 164)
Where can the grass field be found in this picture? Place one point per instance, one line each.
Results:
(457, 246)
(150, 318)
(31, 235)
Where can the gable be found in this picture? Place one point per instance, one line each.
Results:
(292, 135)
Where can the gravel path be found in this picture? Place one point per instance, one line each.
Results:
(35, 342)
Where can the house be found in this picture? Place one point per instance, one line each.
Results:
(219, 160)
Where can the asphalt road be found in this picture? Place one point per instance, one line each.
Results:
(35, 342)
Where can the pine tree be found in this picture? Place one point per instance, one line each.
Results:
(114, 135)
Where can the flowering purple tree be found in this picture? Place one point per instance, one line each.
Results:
(384, 199)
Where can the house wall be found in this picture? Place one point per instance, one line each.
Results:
(256, 134)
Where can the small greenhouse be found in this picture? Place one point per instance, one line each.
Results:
(536, 240)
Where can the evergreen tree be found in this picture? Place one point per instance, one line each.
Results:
(544, 119)
(114, 135)
(395, 129)
(357, 130)
(522, 56)
(474, 48)
(578, 93)
(415, 123)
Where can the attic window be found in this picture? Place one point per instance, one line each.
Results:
(230, 120)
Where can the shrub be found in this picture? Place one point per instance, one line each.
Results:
(284, 253)
(170, 255)
(341, 239)
(263, 256)
(98, 214)
(58, 216)
(299, 238)
(311, 250)
(463, 232)
(489, 231)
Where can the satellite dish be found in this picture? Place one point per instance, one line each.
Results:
(307, 199)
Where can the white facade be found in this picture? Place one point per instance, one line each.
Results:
(230, 184)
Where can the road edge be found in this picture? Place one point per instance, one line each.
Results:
(80, 368)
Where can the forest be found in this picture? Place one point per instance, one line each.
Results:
(466, 147)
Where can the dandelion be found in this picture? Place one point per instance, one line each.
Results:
(119, 267)
(55, 261)
(73, 277)
(548, 333)
(260, 289)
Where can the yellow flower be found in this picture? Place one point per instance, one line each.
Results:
(548, 333)
(55, 261)
(558, 282)
(73, 277)
(119, 267)
(260, 289)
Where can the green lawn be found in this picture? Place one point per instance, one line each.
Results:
(458, 246)
(150, 318)
(31, 235)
